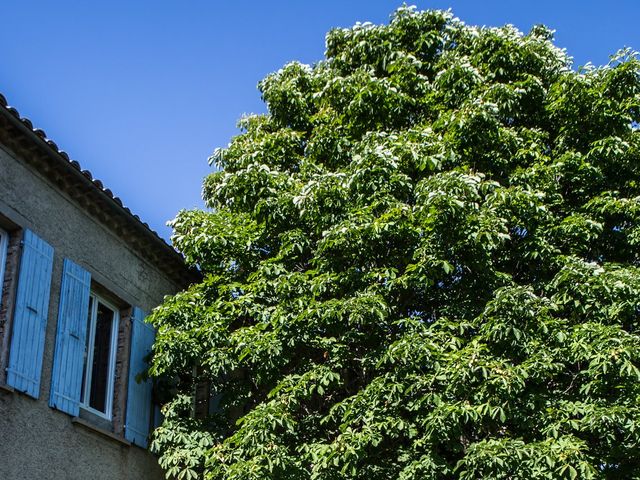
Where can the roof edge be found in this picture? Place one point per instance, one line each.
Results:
(164, 255)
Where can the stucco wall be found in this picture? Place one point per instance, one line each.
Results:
(35, 440)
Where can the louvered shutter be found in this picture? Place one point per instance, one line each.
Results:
(139, 406)
(68, 360)
(30, 318)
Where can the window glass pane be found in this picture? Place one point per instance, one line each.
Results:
(101, 356)
(86, 350)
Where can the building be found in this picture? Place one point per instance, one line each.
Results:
(78, 271)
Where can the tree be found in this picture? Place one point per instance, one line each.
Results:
(421, 263)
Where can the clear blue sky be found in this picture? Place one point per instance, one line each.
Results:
(141, 92)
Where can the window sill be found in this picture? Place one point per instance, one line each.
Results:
(6, 388)
(105, 433)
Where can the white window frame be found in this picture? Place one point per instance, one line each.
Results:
(86, 381)
(4, 244)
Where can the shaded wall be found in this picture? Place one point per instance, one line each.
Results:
(35, 440)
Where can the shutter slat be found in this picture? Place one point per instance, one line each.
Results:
(68, 360)
(30, 318)
(139, 406)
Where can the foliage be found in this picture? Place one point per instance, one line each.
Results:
(421, 263)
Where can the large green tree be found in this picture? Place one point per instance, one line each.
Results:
(422, 262)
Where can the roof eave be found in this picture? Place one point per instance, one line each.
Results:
(117, 216)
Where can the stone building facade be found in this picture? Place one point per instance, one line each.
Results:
(78, 271)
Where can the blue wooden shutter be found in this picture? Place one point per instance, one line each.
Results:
(139, 394)
(68, 360)
(30, 318)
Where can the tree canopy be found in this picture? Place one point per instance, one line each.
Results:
(422, 262)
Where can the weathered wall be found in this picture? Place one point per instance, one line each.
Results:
(35, 440)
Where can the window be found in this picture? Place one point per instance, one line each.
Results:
(83, 377)
(4, 240)
(99, 359)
